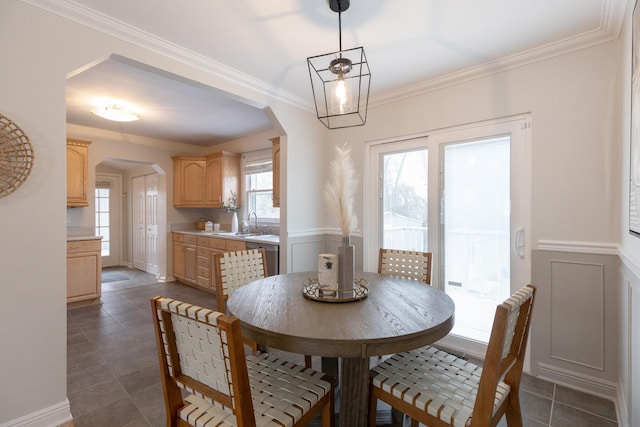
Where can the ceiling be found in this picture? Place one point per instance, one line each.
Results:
(412, 46)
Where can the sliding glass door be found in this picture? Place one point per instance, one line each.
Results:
(475, 229)
(463, 195)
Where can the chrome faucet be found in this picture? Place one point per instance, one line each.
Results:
(249, 218)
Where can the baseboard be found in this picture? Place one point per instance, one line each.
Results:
(586, 383)
(622, 410)
(55, 415)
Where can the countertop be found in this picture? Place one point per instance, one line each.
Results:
(272, 239)
(72, 238)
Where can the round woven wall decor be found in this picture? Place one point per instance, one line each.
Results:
(16, 156)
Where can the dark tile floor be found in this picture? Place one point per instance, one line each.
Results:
(113, 375)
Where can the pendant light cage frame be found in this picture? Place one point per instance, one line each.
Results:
(324, 80)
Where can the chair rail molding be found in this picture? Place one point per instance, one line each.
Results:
(596, 248)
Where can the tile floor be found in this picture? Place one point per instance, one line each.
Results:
(113, 376)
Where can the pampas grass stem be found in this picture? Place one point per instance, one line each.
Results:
(340, 189)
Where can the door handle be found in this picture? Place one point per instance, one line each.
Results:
(518, 243)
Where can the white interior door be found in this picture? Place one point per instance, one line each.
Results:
(151, 223)
(139, 222)
(145, 223)
(473, 184)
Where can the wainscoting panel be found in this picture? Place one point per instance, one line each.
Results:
(574, 330)
(577, 336)
(303, 253)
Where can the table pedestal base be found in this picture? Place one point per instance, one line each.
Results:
(354, 385)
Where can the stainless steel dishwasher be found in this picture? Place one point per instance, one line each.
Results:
(272, 256)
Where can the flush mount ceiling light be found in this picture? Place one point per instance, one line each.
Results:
(116, 111)
(340, 82)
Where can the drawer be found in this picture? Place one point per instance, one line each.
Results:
(77, 246)
(203, 241)
(205, 282)
(204, 252)
(190, 240)
(204, 272)
(216, 243)
(177, 237)
(235, 245)
(204, 261)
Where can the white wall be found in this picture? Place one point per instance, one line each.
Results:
(43, 50)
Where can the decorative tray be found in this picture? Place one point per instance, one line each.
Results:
(314, 291)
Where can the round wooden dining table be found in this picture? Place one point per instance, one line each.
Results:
(397, 315)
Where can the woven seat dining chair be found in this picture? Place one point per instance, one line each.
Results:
(439, 389)
(208, 380)
(409, 264)
(236, 269)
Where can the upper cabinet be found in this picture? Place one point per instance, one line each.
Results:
(189, 181)
(205, 181)
(223, 177)
(275, 147)
(77, 173)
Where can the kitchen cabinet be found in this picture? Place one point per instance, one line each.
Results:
(189, 181)
(84, 271)
(193, 258)
(275, 149)
(223, 177)
(205, 181)
(77, 173)
(185, 258)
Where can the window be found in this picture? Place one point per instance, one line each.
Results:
(102, 214)
(258, 186)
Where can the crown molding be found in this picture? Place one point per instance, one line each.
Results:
(103, 23)
(612, 19)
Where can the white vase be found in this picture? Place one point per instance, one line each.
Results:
(234, 222)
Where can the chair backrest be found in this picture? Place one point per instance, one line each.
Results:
(236, 269)
(409, 264)
(201, 351)
(506, 350)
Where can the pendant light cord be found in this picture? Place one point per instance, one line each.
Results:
(340, 29)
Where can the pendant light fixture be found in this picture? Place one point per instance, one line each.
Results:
(340, 81)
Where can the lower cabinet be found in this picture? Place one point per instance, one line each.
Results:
(184, 258)
(84, 271)
(193, 258)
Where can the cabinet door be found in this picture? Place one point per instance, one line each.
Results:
(189, 182)
(190, 264)
(178, 260)
(223, 177)
(77, 173)
(214, 182)
(83, 280)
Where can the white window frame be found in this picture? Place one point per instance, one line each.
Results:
(249, 158)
